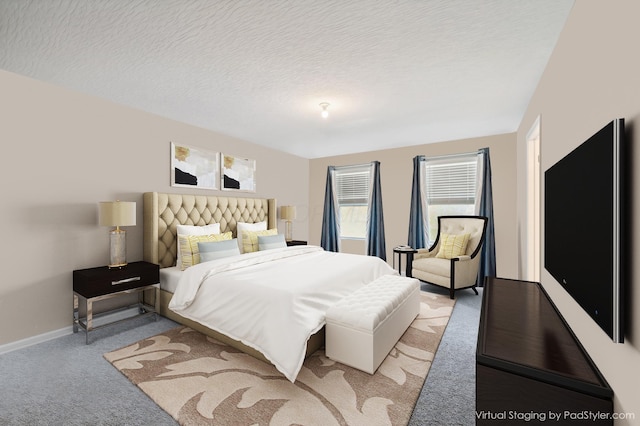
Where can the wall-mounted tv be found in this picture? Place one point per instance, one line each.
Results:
(584, 226)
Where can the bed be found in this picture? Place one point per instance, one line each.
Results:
(268, 275)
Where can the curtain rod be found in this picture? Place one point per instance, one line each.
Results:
(352, 166)
(439, 157)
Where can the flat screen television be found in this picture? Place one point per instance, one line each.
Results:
(584, 226)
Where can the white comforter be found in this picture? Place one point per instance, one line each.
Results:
(273, 300)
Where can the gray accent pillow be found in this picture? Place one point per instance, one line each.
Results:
(218, 250)
(268, 242)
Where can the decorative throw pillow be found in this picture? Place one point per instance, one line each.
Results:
(250, 239)
(189, 247)
(185, 230)
(268, 242)
(452, 245)
(242, 226)
(218, 250)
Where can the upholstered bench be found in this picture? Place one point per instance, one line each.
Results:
(363, 327)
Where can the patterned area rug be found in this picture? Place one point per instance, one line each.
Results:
(200, 381)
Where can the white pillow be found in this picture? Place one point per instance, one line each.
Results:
(213, 228)
(242, 226)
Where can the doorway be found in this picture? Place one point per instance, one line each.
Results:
(532, 244)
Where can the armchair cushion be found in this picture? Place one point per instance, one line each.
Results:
(440, 267)
(452, 245)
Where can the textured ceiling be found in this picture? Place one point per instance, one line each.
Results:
(396, 72)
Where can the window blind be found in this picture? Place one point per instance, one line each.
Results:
(451, 181)
(352, 185)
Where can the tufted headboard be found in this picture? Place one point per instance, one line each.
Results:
(162, 212)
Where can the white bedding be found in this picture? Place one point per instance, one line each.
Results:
(273, 300)
(169, 278)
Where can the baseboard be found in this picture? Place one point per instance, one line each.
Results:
(50, 335)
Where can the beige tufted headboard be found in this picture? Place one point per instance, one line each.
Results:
(162, 212)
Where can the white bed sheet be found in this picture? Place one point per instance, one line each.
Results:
(169, 278)
(273, 301)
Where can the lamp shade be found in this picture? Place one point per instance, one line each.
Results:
(288, 212)
(117, 213)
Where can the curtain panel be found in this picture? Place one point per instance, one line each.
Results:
(488, 257)
(330, 238)
(417, 227)
(375, 219)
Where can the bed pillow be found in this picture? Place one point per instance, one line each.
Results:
(242, 226)
(452, 245)
(213, 228)
(268, 242)
(218, 249)
(189, 247)
(250, 239)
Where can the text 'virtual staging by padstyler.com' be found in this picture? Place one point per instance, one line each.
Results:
(558, 416)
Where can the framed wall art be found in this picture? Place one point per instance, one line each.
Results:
(193, 167)
(238, 173)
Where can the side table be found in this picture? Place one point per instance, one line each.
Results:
(101, 283)
(296, 243)
(408, 251)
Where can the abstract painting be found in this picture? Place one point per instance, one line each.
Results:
(238, 173)
(193, 167)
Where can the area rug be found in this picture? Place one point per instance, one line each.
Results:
(200, 381)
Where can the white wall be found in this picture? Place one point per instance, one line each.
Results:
(593, 77)
(63, 153)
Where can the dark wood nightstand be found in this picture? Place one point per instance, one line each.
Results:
(296, 243)
(95, 284)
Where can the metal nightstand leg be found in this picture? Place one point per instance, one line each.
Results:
(89, 305)
(77, 321)
(156, 302)
(75, 313)
(144, 305)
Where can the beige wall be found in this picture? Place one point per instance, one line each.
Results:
(64, 152)
(592, 78)
(396, 169)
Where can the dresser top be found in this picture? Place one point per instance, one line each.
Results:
(521, 329)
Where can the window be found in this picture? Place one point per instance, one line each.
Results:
(352, 185)
(451, 188)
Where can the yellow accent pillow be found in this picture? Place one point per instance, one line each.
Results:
(250, 239)
(189, 247)
(452, 245)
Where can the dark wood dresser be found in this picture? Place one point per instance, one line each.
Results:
(530, 367)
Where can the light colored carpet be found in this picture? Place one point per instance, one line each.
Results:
(198, 380)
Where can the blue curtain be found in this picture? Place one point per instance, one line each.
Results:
(417, 232)
(488, 259)
(330, 239)
(375, 219)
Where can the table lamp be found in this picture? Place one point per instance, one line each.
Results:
(117, 213)
(288, 213)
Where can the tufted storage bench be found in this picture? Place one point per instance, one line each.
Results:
(363, 327)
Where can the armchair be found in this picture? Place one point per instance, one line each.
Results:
(453, 260)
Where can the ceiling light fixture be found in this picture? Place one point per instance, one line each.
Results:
(325, 112)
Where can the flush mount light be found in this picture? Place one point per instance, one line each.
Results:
(325, 112)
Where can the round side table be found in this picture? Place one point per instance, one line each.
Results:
(408, 251)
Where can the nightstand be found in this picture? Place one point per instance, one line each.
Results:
(400, 250)
(95, 284)
(296, 243)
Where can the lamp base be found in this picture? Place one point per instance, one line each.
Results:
(117, 248)
(288, 231)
